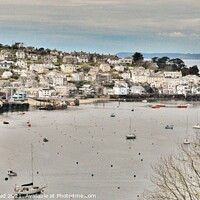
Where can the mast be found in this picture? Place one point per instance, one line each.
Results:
(32, 162)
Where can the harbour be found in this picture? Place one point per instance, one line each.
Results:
(87, 151)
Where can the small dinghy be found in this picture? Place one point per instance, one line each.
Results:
(11, 173)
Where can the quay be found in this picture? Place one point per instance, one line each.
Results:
(13, 106)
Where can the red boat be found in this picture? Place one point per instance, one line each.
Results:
(182, 106)
(155, 106)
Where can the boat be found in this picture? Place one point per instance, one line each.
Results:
(155, 106)
(186, 141)
(130, 136)
(11, 173)
(29, 189)
(5, 122)
(196, 126)
(45, 140)
(161, 105)
(47, 107)
(112, 115)
(182, 106)
(169, 126)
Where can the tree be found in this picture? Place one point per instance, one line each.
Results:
(177, 177)
(194, 70)
(137, 57)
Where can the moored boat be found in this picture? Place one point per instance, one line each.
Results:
(196, 126)
(169, 126)
(182, 106)
(11, 173)
(131, 136)
(155, 106)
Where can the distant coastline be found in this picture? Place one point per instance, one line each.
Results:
(188, 56)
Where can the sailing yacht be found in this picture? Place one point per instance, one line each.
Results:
(28, 189)
(197, 126)
(130, 136)
(186, 140)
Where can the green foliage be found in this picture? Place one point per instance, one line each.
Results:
(137, 57)
(115, 75)
(194, 70)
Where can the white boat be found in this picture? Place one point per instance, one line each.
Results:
(186, 141)
(11, 173)
(169, 126)
(26, 190)
(130, 136)
(196, 126)
(112, 115)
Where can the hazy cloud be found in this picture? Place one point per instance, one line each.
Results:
(101, 20)
(173, 34)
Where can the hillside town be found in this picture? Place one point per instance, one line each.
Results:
(52, 74)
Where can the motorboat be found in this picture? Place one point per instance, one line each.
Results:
(11, 173)
(112, 115)
(131, 136)
(186, 141)
(196, 126)
(169, 126)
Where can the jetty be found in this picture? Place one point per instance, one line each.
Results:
(13, 106)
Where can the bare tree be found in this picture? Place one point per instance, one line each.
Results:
(177, 177)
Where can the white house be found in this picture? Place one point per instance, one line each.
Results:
(82, 59)
(68, 68)
(6, 74)
(21, 64)
(137, 90)
(120, 90)
(113, 61)
(119, 68)
(20, 54)
(39, 68)
(183, 89)
(127, 60)
(126, 75)
(58, 80)
(172, 74)
(46, 93)
(104, 67)
(77, 76)
(6, 64)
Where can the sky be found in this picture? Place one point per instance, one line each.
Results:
(103, 26)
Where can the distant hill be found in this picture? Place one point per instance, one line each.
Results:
(170, 55)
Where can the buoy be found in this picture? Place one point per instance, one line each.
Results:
(141, 159)
(77, 163)
(92, 174)
(6, 178)
(29, 125)
(111, 165)
(134, 175)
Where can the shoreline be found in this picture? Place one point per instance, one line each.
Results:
(33, 102)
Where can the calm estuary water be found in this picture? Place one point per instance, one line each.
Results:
(87, 152)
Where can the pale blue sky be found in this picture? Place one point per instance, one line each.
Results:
(104, 26)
